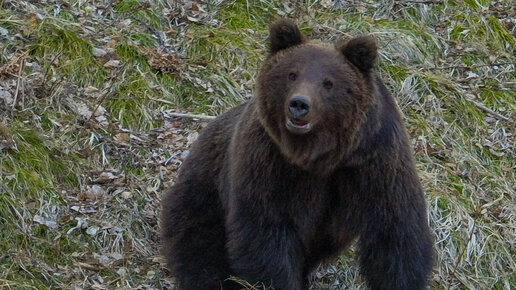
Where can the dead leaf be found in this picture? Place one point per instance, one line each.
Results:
(122, 138)
(90, 267)
(127, 194)
(41, 220)
(165, 62)
(507, 168)
(90, 90)
(193, 19)
(105, 177)
(112, 64)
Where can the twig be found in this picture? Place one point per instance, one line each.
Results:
(486, 109)
(109, 91)
(421, 1)
(48, 69)
(90, 267)
(161, 101)
(54, 85)
(113, 281)
(11, 21)
(6, 135)
(459, 259)
(336, 30)
(156, 33)
(471, 66)
(193, 116)
(19, 80)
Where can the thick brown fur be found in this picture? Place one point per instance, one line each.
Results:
(256, 201)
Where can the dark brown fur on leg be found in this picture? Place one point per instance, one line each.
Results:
(195, 243)
(193, 230)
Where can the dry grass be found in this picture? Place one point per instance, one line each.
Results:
(87, 144)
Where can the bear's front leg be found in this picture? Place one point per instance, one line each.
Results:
(262, 241)
(395, 246)
(264, 252)
(396, 257)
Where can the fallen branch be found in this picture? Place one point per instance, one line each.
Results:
(421, 1)
(193, 116)
(486, 109)
(471, 66)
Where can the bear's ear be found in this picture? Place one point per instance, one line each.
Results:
(361, 51)
(283, 34)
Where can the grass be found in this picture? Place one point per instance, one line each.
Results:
(85, 152)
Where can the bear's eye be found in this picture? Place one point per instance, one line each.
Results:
(327, 84)
(350, 91)
(292, 76)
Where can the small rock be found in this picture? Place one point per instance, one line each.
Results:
(92, 231)
(116, 256)
(3, 31)
(127, 194)
(105, 177)
(95, 192)
(102, 121)
(98, 52)
(103, 259)
(83, 110)
(472, 75)
(100, 111)
(121, 271)
(6, 96)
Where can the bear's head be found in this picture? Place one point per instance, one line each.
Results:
(313, 97)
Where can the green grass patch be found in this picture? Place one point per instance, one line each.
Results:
(66, 53)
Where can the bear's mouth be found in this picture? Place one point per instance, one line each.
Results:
(298, 126)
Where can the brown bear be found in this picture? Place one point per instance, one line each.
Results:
(317, 159)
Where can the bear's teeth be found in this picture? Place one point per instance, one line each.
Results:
(298, 128)
(298, 122)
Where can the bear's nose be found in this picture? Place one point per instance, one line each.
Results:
(299, 107)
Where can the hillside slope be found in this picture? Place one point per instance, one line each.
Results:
(88, 140)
